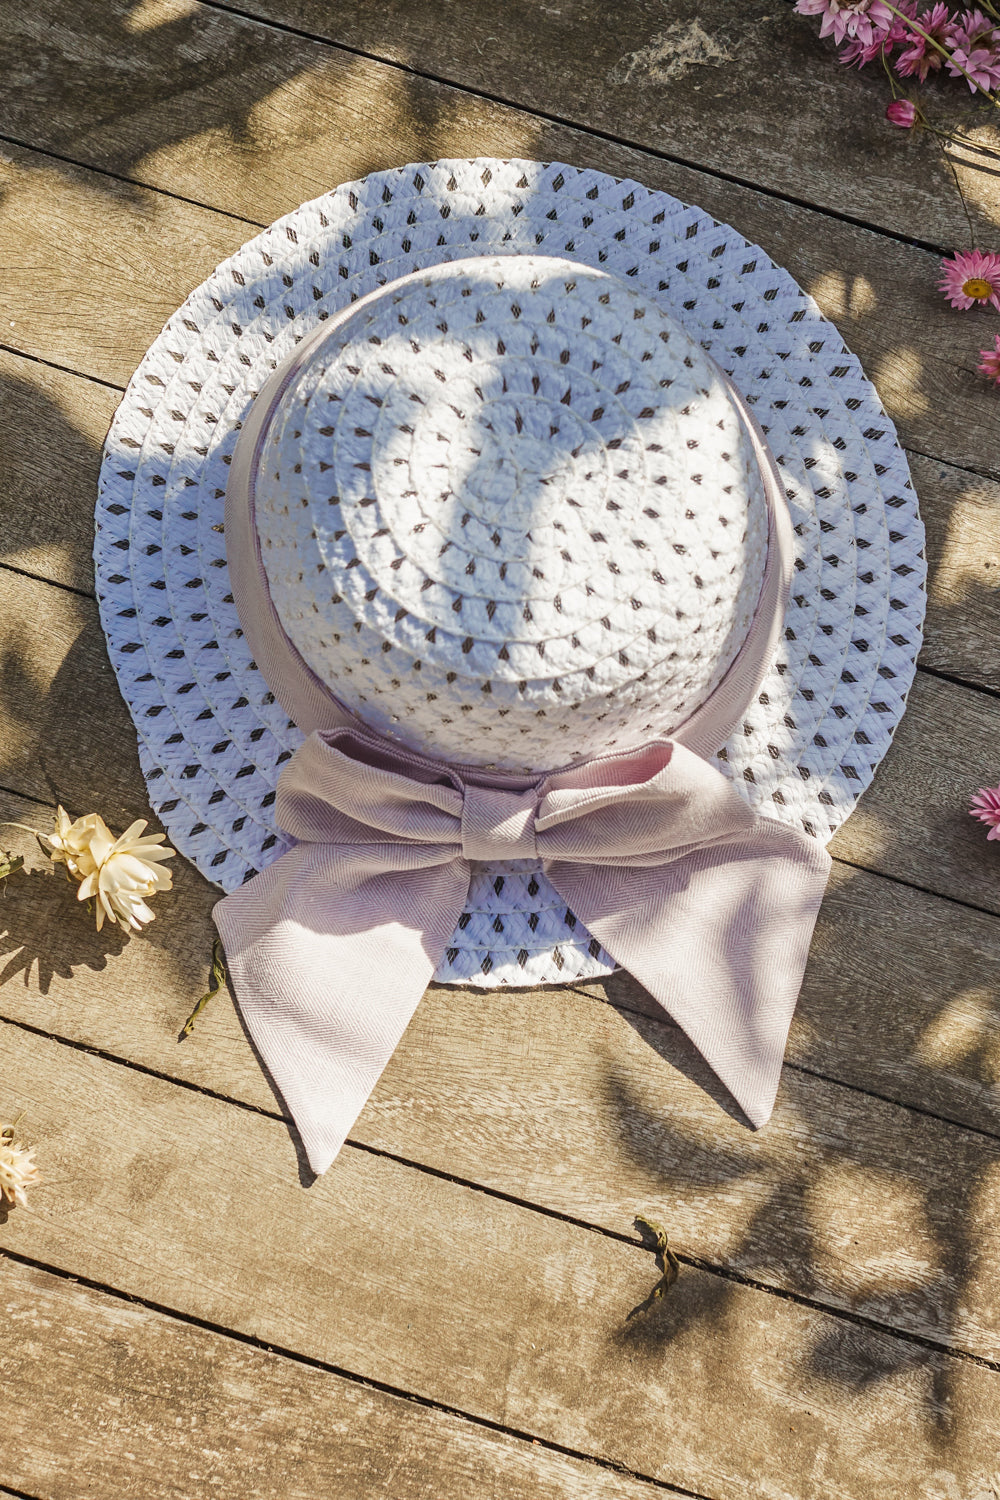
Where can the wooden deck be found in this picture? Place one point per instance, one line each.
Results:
(446, 1313)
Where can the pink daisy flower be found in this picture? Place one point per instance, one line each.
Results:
(989, 360)
(972, 28)
(919, 58)
(971, 276)
(975, 47)
(981, 65)
(846, 19)
(883, 43)
(985, 806)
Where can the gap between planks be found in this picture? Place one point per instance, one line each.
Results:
(701, 1263)
(129, 1356)
(338, 1372)
(486, 96)
(319, 1274)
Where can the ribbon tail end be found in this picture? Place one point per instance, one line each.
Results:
(321, 1138)
(757, 1102)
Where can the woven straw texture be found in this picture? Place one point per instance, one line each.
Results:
(212, 739)
(511, 517)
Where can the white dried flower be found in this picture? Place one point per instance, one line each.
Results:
(123, 873)
(120, 874)
(69, 842)
(17, 1168)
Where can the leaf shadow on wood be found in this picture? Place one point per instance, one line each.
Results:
(44, 933)
(134, 92)
(82, 694)
(792, 1220)
(961, 514)
(153, 102)
(49, 469)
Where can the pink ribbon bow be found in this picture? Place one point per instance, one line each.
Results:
(330, 949)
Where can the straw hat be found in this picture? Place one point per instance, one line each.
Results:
(508, 493)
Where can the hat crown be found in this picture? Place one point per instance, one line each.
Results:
(511, 516)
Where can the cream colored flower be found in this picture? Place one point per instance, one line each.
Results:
(122, 873)
(69, 842)
(17, 1168)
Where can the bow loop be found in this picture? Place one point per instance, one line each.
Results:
(351, 788)
(657, 801)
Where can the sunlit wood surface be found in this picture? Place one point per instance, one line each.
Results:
(447, 1312)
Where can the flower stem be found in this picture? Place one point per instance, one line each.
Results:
(913, 25)
(217, 981)
(954, 173)
(888, 73)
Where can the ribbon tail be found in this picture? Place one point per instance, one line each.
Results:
(720, 938)
(330, 950)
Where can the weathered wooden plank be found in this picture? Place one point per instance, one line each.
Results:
(913, 823)
(961, 513)
(463, 1298)
(67, 736)
(505, 1089)
(107, 1397)
(127, 257)
(55, 426)
(61, 711)
(137, 91)
(85, 256)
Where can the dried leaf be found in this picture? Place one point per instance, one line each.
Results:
(670, 1266)
(9, 863)
(218, 981)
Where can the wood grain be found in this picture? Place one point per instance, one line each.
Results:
(54, 427)
(852, 1201)
(462, 1298)
(913, 822)
(961, 514)
(106, 1397)
(137, 89)
(127, 257)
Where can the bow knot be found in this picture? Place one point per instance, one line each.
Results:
(708, 905)
(498, 824)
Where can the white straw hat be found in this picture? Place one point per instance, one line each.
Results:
(511, 514)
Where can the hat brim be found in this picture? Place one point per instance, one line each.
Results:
(212, 737)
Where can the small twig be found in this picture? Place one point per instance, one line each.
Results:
(218, 981)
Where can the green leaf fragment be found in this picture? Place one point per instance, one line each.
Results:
(218, 981)
(9, 863)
